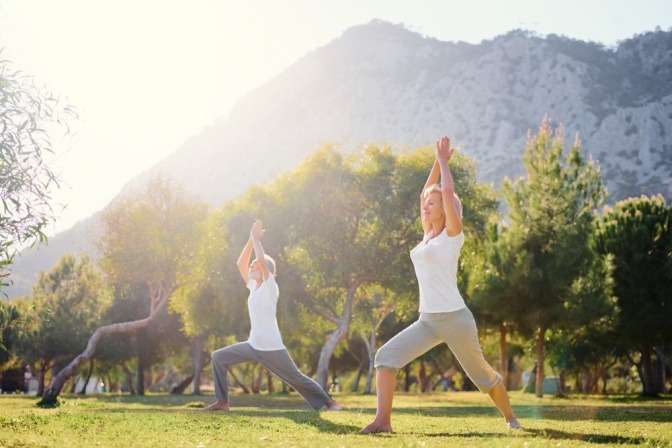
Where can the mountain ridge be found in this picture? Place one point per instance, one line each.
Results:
(382, 83)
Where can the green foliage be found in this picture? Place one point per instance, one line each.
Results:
(69, 302)
(9, 317)
(637, 232)
(332, 222)
(497, 279)
(551, 212)
(594, 314)
(149, 237)
(26, 179)
(147, 247)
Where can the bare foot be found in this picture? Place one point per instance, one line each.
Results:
(331, 405)
(375, 428)
(218, 406)
(513, 424)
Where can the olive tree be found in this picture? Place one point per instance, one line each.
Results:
(27, 116)
(148, 239)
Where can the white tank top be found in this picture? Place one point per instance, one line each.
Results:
(262, 305)
(435, 262)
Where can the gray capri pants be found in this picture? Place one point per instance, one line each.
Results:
(277, 361)
(457, 329)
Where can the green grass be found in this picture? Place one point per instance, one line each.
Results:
(464, 419)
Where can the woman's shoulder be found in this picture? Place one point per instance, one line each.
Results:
(455, 238)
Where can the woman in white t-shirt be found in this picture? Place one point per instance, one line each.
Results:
(264, 344)
(444, 317)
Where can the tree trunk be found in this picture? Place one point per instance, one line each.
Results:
(159, 298)
(663, 359)
(73, 384)
(41, 376)
(531, 385)
(539, 386)
(238, 382)
(659, 377)
(129, 378)
(140, 378)
(423, 381)
(563, 382)
(407, 377)
(182, 385)
(269, 380)
(360, 370)
(88, 377)
(111, 386)
(197, 351)
(335, 338)
(503, 358)
(370, 344)
(647, 372)
(256, 382)
(582, 382)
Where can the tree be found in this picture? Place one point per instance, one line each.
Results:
(9, 318)
(353, 222)
(585, 346)
(74, 297)
(12, 316)
(340, 207)
(147, 240)
(372, 312)
(497, 286)
(551, 212)
(26, 179)
(198, 300)
(637, 233)
(335, 224)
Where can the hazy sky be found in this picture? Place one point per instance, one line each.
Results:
(146, 75)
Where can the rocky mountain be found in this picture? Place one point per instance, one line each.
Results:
(382, 83)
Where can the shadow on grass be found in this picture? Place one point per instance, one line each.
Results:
(636, 413)
(592, 438)
(306, 417)
(552, 434)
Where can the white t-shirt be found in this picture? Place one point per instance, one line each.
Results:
(262, 305)
(435, 263)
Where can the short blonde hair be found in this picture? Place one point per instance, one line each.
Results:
(270, 263)
(436, 188)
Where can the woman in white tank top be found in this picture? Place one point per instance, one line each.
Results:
(444, 317)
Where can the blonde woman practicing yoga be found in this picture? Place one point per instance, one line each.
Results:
(444, 317)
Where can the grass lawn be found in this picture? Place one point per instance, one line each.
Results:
(452, 419)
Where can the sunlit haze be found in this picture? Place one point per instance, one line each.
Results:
(147, 75)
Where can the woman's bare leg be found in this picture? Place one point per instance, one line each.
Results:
(386, 382)
(501, 399)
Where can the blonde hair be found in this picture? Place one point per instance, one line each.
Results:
(436, 188)
(270, 263)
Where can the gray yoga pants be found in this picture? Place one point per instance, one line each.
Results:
(457, 329)
(277, 361)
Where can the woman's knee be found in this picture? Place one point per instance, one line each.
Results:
(380, 354)
(384, 360)
(216, 355)
(486, 380)
(220, 357)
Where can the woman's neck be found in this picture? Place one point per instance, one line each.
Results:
(438, 226)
